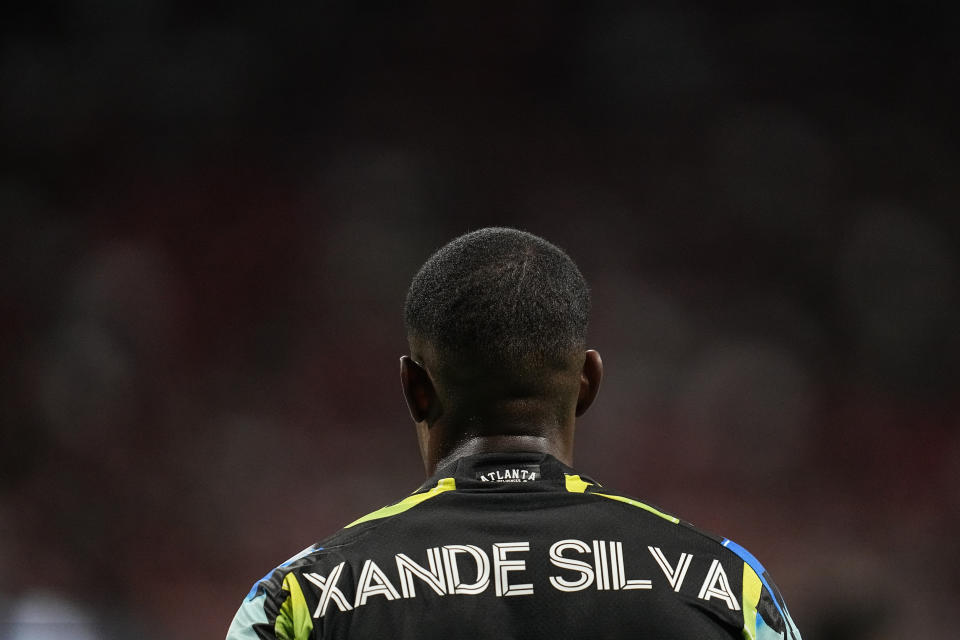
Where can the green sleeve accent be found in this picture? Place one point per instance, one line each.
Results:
(637, 503)
(751, 598)
(445, 484)
(294, 621)
(576, 484)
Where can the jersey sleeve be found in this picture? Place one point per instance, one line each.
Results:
(275, 608)
(271, 613)
(765, 614)
(251, 622)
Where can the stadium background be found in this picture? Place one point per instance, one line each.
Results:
(209, 218)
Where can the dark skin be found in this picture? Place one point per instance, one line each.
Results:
(459, 409)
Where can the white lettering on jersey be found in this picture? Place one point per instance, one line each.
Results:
(466, 569)
(509, 475)
(583, 568)
(675, 575)
(373, 582)
(435, 578)
(607, 569)
(600, 563)
(454, 585)
(620, 580)
(329, 591)
(716, 585)
(501, 566)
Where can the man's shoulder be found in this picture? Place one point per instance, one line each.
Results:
(637, 512)
(471, 545)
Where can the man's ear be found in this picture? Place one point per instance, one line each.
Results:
(590, 378)
(417, 389)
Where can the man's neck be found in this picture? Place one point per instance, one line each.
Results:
(554, 446)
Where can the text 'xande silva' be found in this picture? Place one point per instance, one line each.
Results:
(469, 570)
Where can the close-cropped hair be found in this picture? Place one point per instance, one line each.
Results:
(502, 295)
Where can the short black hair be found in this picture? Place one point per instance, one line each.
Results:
(502, 295)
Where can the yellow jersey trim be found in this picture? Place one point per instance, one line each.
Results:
(576, 484)
(445, 484)
(294, 621)
(751, 598)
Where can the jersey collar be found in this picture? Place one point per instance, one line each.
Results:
(499, 469)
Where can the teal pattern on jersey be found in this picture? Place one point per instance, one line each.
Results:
(251, 613)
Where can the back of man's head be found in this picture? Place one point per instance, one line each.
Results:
(500, 298)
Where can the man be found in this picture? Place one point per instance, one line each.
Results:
(505, 539)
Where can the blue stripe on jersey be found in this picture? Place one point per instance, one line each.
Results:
(748, 557)
(256, 585)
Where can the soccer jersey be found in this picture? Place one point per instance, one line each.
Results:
(516, 545)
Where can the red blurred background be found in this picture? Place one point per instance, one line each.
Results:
(210, 216)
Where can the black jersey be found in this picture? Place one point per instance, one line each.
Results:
(516, 546)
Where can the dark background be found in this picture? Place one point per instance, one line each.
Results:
(209, 217)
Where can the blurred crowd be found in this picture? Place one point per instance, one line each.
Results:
(210, 216)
